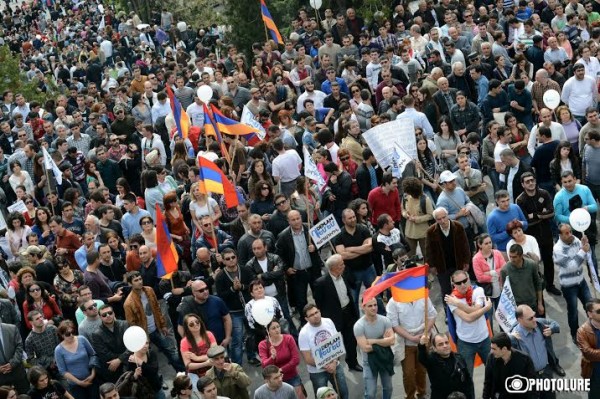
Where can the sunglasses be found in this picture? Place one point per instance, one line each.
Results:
(355, 91)
(230, 258)
(344, 158)
(461, 282)
(146, 222)
(109, 313)
(68, 334)
(193, 323)
(134, 246)
(206, 224)
(35, 290)
(94, 306)
(29, 202)
(265, 188)
(280, 203)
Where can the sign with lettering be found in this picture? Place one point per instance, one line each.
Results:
(505, 313)
(383, 140)
(329, 350)
(324, 231)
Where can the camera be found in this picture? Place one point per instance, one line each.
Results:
(516, 384)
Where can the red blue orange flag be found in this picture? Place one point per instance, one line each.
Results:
(166, 254)
(269, 23)
(210, 129)
(234, 128)
(181, 118)
(406, 286)
(213, 180)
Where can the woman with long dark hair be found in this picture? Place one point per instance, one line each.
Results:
(362, 211)
(520, 137)
(564, 159)
(446, 140)
(16, 232)
(427, 168)
(37, 298)
(42, 228)
(152, 193)
(42, 386)
(194, 346)
(131, 166)
(428, 105)
(263, 200)
(180, 233)
(66, 283)
(258, 172)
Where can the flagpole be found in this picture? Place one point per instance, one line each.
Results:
(266, 33)
(49, 188)
(211, 214)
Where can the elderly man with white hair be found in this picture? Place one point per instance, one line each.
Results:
(447, 248)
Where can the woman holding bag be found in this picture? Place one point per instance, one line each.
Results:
(194, 346)
(487, 264)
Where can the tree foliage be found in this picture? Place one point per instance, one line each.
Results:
(14, 79)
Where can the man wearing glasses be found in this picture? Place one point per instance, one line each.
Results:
(107, 341)
(588, 344)
(469, 306)
(92, 320)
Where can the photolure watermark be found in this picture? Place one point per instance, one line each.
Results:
(520, 384)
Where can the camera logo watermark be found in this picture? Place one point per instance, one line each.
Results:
(520, 384)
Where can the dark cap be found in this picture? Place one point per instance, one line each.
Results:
(215, 351)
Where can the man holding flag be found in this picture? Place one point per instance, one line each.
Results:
(468, 306)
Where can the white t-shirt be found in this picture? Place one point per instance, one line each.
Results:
(310, 337)
(475, 331)
(286, 166)
(200, 210)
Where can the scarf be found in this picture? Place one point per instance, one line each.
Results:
(468, 295)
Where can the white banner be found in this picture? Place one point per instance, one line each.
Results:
(248, 119)
(382, 140)
(311, 171)
(505, 313)
(18, 206)
(51, 166)
(324, 231)
(399, 161)
(329, 350)
(593, 274)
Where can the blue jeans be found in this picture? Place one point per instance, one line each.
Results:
(370, 379)
(285, 308)
(236, 347)
(366, 277)
(320, 380)
(167, 346)
(580, 291)
(469, 350)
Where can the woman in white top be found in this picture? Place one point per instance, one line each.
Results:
(148, 231)
(202, 205)
(20, 177)
(530, 245)
(16, 232)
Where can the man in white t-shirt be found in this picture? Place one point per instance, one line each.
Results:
(469, 306)
(504, 135)
(317, 330)
(286, 167)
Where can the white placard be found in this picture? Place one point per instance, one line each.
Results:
(324, 231)
(311, 171)
(248, 119)
(381, 140)
(593, 274)
(505, 313)
(329, 350)
(18, 206)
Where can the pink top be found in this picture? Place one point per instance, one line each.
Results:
(480, 266)
(186, 346)
(287, 358)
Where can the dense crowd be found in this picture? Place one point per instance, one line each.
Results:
(476, 78)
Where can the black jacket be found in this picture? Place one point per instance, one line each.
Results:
(286, 250)
(275, 273)
(446, 375)
(517, 188)
(328, 302)
(497, 373)
(109, 345)
(440, 101)
(363, 179)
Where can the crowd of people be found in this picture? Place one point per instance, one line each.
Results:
(80, 264)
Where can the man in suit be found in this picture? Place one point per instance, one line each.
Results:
(339, 308)
(512, 174)
(445, 97)
(12, 371)
(301, 259)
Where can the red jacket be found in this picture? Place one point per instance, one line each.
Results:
(71, 243)
(381, 203)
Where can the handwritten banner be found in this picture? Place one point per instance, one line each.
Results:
(324, 231)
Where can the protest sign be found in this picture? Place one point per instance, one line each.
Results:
(324, 231)
(18, 206)
(382, 139)
(311, 171)
(505, 313)
(248, 119)
(593, 274)
(329, 350)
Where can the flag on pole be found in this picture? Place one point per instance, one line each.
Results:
(211, 129)
(181, 118)
(406, 285)
(166, 254)
(51, 165)
(102, 24)
(235, 128)
(212, 179)
(269, 23)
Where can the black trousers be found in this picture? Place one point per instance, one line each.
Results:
(347, 331)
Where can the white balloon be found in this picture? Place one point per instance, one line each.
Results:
(11, 292)
(134, 338)
(551, 99)
(263, 311)
(205, 93)
(316, 4)
(580, 220)
(100, 8)
(181, 26)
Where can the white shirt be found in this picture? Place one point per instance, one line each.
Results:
(579, 94)
(341, 289)
(592, 67)
(155, 142)
(410, 316)
(287, 166)
(419, 119)
(317, 96)
(107, 48)
(196, 114)
(512, 172)
(310, 337)
(475, 331)
(558, 133)
(159, 110)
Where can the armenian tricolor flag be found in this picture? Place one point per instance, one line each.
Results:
(210, 129)
(407, 285)
(166, 254)
(269, 23)
(181, 118)
(212, 179)
(234, 128)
